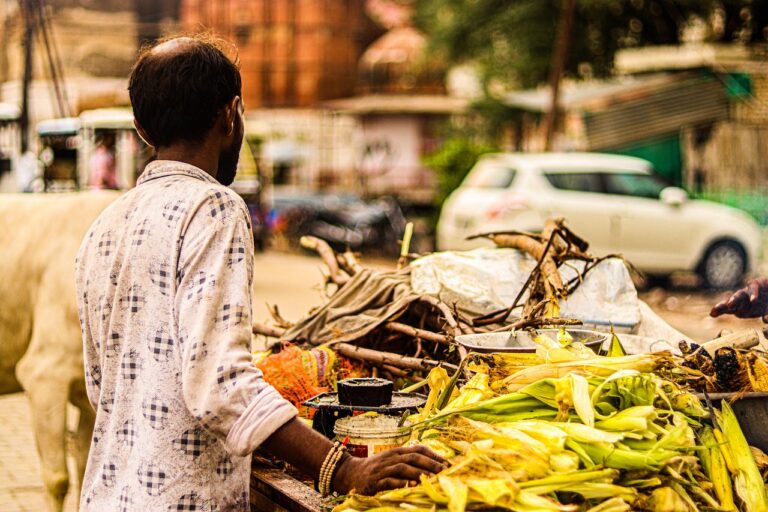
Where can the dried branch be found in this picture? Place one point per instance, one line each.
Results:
(281, 322)
(267, 330)
(526, 323)
(445, 310)
(349, 263)
(378, 358)
(328, 256)
(417, 333)
(536, 249)
(500, 316)
(491, 234)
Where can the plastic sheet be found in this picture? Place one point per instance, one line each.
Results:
(485, 280)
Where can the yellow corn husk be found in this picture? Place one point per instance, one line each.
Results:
(762, 461)
(757, 370)
(714, 466)
(633, 419)
(456, 491)
(564, 338)
(496, 492)
(612, 505)
(616, 349)
(530, 502)
(475, 390)
(665, 499)
(438, 380)
(438, 447)
(597, 366)
(747, 481)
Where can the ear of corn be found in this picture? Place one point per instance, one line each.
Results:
(716, 469)
(747, 481)
(599, 434)
(757, 371)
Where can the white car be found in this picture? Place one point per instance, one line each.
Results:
(616, 203)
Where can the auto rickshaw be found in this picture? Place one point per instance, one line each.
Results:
(59, 140)
(10, 145)
(111, 129)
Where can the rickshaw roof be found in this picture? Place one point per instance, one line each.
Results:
(9, 112)
(60, 126)
(108, 119)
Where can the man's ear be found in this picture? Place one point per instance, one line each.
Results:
(230, 113)
(142, 133)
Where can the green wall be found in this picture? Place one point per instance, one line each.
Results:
(663, 152)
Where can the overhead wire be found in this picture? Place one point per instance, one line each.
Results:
(43, 34)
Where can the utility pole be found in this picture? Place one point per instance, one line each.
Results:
(559, 57)
(29, 38)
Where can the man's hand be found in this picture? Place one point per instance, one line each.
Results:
(749, 302)
(396, 468)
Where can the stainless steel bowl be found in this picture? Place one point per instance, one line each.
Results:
(522, 341)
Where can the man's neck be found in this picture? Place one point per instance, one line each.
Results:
(198, 156)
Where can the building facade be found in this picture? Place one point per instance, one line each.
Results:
(293, 53)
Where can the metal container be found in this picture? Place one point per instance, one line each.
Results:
(368, 392)
(329, 410)
(522, 341)
(751, 409)
(368, 435)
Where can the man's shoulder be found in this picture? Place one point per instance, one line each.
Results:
(220, 203)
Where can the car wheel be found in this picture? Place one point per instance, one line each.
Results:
(724, 265)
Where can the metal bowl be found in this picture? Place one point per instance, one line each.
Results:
(522, 341)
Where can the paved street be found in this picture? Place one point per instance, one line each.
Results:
(293, 283)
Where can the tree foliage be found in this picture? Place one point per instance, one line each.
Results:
(511, 41)
(453, 161)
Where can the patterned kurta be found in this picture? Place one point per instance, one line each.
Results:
(164, 295)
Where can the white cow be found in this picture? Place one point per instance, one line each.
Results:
(40, 342)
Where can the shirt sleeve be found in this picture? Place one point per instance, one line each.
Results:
(221, 386)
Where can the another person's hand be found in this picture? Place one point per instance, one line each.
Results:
(392, 469)
(749, 302)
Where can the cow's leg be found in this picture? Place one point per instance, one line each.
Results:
(49, 419)
(84, 428)
(48, 371)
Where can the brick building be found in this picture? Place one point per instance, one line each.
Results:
(293, 53)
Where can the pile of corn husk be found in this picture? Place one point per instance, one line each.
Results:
(579, 433)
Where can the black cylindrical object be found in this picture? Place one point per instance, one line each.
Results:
(365, 392)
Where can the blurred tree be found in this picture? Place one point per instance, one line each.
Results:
(511, 41)
(452, 162)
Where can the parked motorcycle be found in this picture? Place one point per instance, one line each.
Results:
(344, 221)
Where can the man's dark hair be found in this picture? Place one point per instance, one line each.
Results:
(177, 94)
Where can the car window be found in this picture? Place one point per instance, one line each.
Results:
(633, 184)
(575, 181)
(491, 176)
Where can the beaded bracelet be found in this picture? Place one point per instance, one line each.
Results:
(325, 484)
(329, 466)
